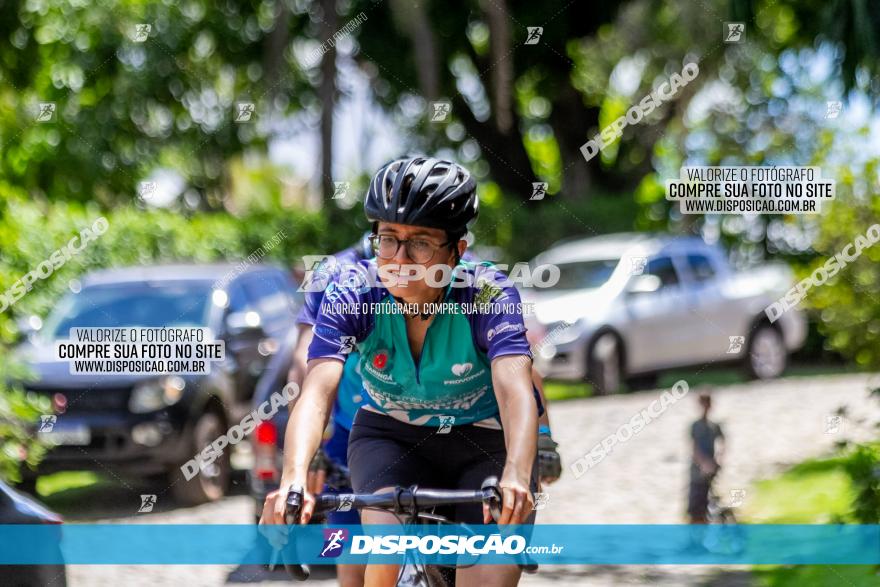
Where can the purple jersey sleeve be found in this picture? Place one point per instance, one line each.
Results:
(501, 330)
(343, 319)
(309, 311)
(320, 279)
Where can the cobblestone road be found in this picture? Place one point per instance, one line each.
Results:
(769, 426)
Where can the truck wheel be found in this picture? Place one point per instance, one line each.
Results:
(604, 370)
(767, 356)
(211, 482)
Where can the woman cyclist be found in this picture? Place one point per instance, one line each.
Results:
(468, 369)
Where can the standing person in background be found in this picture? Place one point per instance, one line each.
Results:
(707, 440)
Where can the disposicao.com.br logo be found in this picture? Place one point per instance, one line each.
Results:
(474, 545)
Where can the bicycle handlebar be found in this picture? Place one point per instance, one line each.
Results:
(412, 499)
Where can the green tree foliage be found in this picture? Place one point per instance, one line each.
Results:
(126, 104)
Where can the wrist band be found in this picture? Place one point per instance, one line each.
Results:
(544, 429)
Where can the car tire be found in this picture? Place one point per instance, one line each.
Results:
(766, 356)
(642, 382)
(212, 481)
(604, 369)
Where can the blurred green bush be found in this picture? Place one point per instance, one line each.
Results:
(19, 413)
(847, 306)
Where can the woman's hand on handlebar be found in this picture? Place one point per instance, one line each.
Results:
(516, 498)
(273, 527)
(275, 505)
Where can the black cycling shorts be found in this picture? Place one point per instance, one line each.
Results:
(384, 452)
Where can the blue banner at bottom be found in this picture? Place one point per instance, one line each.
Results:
(448, 544)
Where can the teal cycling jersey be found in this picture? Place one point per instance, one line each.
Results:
(324, 281)
(451, 383)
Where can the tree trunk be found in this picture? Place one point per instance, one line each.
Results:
(276, 41)
(502, 59)
(412, 20)
(327, 94)
(572, 121)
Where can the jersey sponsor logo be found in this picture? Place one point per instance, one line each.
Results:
(372, 371)
(487, 292)
(503, 327)
(401, 406)
(380, 359)
(462, 369)
(327, 332)
(465, 378)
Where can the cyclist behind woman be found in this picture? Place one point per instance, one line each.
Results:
(471, 370)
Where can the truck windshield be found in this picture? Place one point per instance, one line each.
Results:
(131, 305)
(585, 274)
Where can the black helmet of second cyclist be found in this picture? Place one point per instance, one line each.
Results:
(422, 191)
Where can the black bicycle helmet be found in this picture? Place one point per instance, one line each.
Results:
(423, 191)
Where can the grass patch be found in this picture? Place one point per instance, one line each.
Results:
(817, 576)
(814, 492)
(49, 485)
(562, 390)
(819, 493)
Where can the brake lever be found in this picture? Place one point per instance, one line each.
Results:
(292, 511)
(493, 499)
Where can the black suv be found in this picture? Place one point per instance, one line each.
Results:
(147, 426)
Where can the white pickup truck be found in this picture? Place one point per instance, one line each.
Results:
(628, 306)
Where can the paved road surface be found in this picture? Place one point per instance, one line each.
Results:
(769, 426)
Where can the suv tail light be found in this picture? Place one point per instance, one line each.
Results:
(266, 451)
